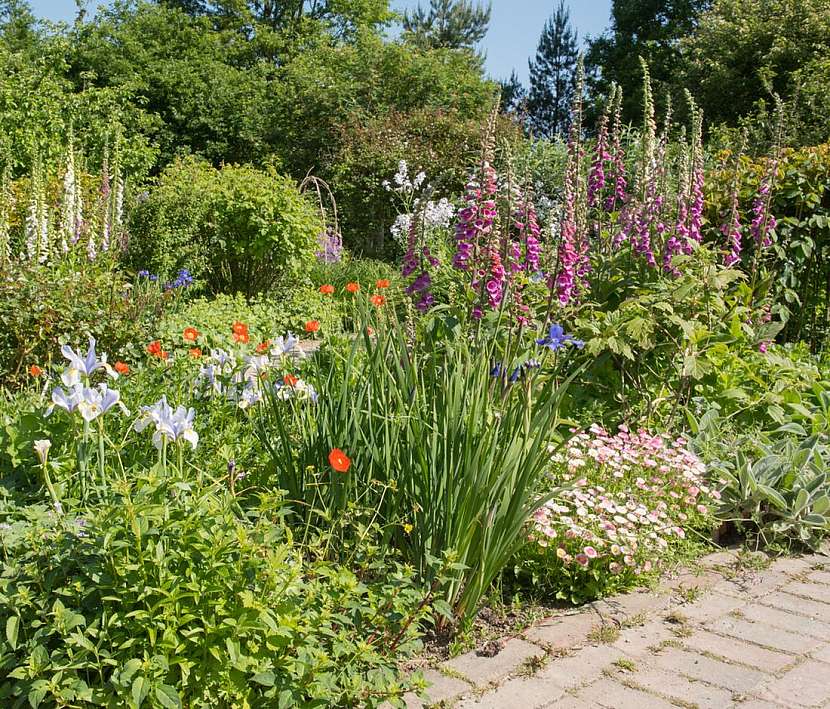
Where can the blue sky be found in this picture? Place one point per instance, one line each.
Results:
(514, 28)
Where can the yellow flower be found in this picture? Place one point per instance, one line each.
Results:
(407, 528)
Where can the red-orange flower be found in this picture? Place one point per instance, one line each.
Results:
(339, 460)
(35, 371)
(154, 348)
(312, 326)
(383, 283)
(353, 287)
(191, 334)
(121, 368)
(195, 352)
(263, 346)
(290, 380)
(327, 289)
(377, 300)
(370, 330)
(240, 328)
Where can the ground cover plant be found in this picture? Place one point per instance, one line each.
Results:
(243, 465)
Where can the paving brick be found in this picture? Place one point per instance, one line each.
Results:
(524, 692)
(807, 685)
(678, 688)
(563, 631)
(792, 564)
(568, 702)
(796, 604)
(582, 667)
(820, 577)
(788, 621)
(610, 693)
(738, 651)
(482, 670)
(751, 586)
(823, 654)
(763, 634)
(630, 605)
(711, 606)
(442, 688)
(691, 581)
(718, 560)
(755, 704)
(813, 591)
(636, 642)
(706, 669)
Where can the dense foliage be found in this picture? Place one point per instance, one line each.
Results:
(243, 465)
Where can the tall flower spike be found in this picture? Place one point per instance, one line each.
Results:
(5, 209)
(573, 253)
(732, 228)
(70, 190)
(618, 197)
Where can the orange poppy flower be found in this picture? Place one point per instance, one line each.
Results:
(121, 368)
(242, 337)
(370, 330)
(339, 460)
(377, 300)
(35, 371)
(312, 326)
(240, 328)
(154, 348)
(263, 346)
(383, 283)
(327, 289)
(191, 334)
(353, 287)
(290, 380)
(195, 352)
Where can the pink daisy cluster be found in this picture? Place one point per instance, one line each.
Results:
(632, 495)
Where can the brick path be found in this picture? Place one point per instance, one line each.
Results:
(725, 636)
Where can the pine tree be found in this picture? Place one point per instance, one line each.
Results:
(513, 94)
(552, 75)
(453, 24)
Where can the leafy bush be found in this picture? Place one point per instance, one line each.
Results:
(237, 229)
(42, 308)
(449, 452)
(774, 483)
(800, 202)
(165, 597)
(266, 317)
(634, 496)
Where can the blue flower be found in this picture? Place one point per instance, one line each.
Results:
(496, 370)
(143, 274)
(556, 339)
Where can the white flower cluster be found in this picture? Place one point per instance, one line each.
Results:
(435, 215)
(246, 381)
(401, 180)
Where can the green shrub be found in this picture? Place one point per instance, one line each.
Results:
(237, 229)
(634, 497)
(41, 308)
(165, 597)
(774, 484)
(266, 317)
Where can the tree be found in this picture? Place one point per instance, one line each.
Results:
(651, 29)
(743, 52)
(513, 94)
(552, 73)
(451, 24)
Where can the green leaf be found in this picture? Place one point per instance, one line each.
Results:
(266, 679)
(12, 625)
(140, 690)
(168, 697)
